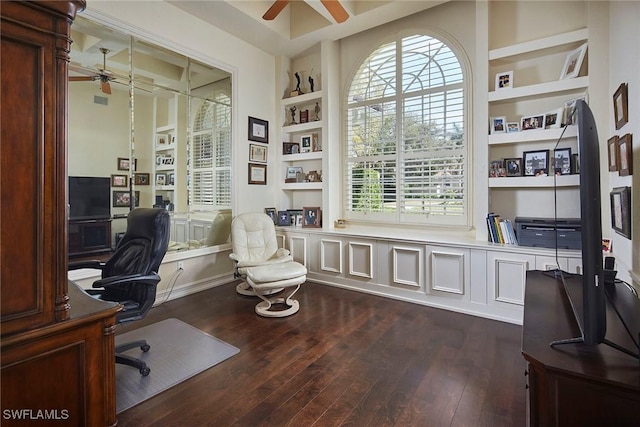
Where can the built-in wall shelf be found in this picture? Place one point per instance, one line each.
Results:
(305, 98)
(314, 155)
(302, 127)
(539, 44)
(535, 181)
(533, 135)
(545, 88)
(292, 186)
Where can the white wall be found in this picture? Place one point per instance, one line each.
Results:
(253, 77)
(624, 63)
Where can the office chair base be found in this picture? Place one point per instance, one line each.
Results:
(243, 288)
(125, 359)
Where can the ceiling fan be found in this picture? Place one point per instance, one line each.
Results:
(103, 74)
(333, 7)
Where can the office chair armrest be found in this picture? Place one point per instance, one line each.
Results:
(281, 253)
(94, 263)
(148, 279)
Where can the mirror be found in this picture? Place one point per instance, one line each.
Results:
(157, 124)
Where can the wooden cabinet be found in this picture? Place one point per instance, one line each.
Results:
(575, 384)
(60, 351)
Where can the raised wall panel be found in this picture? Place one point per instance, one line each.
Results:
(510, 279)
(331, 255)
(447, 272)
(407, 266)
(181, 231)
(199, 230)
(281, 238)
(361, 259)
(298, 248)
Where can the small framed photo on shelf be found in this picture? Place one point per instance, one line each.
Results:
(562, 161)
(292, 173)
(573, 63)
(118, 180)
(141, 179)
(532, 122)
(161, 178)
(121, 199)
(513, 127)
(613, 154)
(620, 106)
(257, 174)
(498, 125)
(625, 155)
(162, 140)
(171, 178)
(290, 148)
(621, 210)
(284, 219)
(258, 130)
(311, 217)
(536, 163)
(496, 169)
(553, 119)
(305, 143)
(504, 80)
(257, 153)
(513, 166)
(271, 212)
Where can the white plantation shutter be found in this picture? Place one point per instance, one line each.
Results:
(406, 151)
(210, 168)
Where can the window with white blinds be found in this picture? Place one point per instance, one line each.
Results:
(210, 168)
(406, 150)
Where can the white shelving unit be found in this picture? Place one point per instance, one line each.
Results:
(166, 153)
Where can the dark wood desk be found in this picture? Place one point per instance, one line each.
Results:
(575, 384)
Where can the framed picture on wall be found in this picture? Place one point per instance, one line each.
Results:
(621, 210)
(124, 164)
(257, 174)
(118, 180)
(257, 153)
(141, 179)
(625, 155)
(121, 199)
(258, 130)
(620, 106)
(613, 154)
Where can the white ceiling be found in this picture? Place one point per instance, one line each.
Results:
(301, 25)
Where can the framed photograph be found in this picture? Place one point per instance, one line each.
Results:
(121, 199)
(293, 213)
(293, 171)
(258, 130)
(513, 127)
(496, 169)
(573, 63)
(284, 219)
(625, 155)
(621, 210)
(620, 106)
(613, 154)
(171, 178)
(498, 125)
(124, 164)
(504, 80)
(162, 139)
(606, 245)
(575, 164)
(532, 122)
(161, 178)
(290, 148)
(553, 119)
(569, 114)
(311, 217)
(562, 161)
(141, 178)
(535, 163)
(305, 143)
(257, 174)
(513, 166)
(272, 214)
(257, 153)
(118, 180)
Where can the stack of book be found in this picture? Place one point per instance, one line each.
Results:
(500, 230)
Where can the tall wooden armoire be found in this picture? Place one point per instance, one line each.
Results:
(57, 343)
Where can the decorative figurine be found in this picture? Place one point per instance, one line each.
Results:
(311, 82)
(292, 110)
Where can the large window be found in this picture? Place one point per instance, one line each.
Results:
(406, 150)
(211, 154)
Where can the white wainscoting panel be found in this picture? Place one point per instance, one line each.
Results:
(298, 248)
(510, 280)
(361, 259)
(407, 266)
(181, 230)
(331, 255)
(281, 238)
(448, 272)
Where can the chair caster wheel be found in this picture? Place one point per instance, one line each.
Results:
(145, 347)
(145, 371)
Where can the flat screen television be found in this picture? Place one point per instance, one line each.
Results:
(89, 197)
(588, 303)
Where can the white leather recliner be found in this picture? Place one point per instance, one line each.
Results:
(264, 268)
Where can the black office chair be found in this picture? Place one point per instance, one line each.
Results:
(130, 276)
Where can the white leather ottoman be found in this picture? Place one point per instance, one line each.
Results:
(265, 278)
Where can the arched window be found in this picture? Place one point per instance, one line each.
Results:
(406, 145)
(210, 169)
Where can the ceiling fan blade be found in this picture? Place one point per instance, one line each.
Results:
(275, 10)
(106, 87)
(336, 10)
(81, 78)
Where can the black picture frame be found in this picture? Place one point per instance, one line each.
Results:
(258, 130)
(257, 174)
(535, 163)
(271, 212)
(311, 217)
(513, 166)
(122, 199)
(284, 219)
(562, 161)
(290, 148)
(620, 198)
(141, 178)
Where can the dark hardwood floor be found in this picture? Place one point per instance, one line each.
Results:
(345, 358)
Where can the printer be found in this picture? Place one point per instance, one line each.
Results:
(541, 232)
